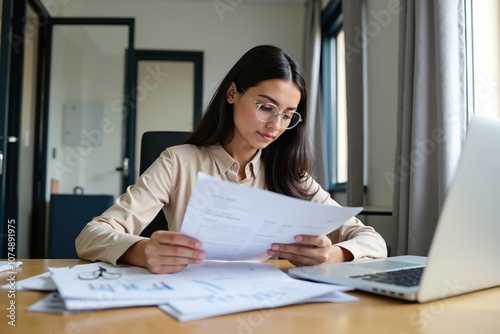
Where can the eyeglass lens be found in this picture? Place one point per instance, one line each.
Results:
(267, 112)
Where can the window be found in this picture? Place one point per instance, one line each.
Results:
(483, 17)
(341, 110)
(334, 97)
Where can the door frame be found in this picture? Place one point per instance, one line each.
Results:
(44, 17)
(196, 57)
(5, 58)
(14, 20)
(38, 243)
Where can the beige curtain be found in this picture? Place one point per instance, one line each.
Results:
(431, 116)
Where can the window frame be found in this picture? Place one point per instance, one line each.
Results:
(331, 26)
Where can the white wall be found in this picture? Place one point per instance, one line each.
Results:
(486, 35)
(222, 34)
(382, 60)
(382, 21)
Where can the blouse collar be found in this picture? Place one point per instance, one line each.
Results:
(225, 161)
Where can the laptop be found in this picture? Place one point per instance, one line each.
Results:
(464, 252)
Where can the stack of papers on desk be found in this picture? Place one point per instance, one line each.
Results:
(244, 286)
(101, 285)
(200, 291)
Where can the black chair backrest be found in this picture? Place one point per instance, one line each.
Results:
(152, 144)
(155, 142)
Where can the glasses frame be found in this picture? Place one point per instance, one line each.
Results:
(276, 114)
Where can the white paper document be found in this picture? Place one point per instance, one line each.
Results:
(9, 265)
(239, 223)
(41, 282)
(243, 286)
(52, 303)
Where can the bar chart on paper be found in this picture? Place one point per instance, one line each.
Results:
(104, 281)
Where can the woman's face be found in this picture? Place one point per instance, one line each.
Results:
(249, 130)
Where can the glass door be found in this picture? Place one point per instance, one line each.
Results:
(86, 109)
(87, 129)
(27, 130)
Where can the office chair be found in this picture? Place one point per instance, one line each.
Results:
(152, 144)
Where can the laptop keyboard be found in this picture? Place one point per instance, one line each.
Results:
(404, 277)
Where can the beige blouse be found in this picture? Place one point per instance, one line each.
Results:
(166, 185)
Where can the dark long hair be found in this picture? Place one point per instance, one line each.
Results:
(289, 159)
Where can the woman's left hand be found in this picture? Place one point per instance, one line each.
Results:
(310, 250)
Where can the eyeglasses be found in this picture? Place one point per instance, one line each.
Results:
(267, 112)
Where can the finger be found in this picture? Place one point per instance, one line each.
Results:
(302, 250)
(168, 254)
(175, 238)
(301, 253)
(164, 269)
(175, 253)
(317, 241)
(168, 263)
(299, 260)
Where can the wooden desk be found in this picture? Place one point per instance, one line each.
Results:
(477, 312)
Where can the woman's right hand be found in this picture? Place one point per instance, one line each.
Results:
(165, 252)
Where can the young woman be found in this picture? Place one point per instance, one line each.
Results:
(254, 133)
